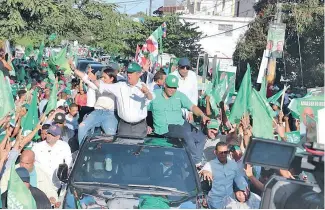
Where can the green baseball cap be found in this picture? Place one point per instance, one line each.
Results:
(134, 67)
(213, 124)
(172, 81)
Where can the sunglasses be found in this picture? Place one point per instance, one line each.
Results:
(183, 67)
(171, 87)
(223, 153)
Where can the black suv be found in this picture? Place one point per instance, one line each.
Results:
(122, 173)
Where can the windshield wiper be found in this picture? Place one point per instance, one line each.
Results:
(100, 184)
(155, 187)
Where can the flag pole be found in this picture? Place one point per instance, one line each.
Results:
(284, 91)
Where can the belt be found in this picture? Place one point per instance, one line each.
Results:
(134, 123)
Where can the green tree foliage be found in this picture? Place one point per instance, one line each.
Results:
(305, 19)
(182, 39)
(88, 21)
(91, 22)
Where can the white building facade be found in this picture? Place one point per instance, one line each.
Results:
(220, 34)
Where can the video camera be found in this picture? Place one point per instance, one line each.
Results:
(307, 190)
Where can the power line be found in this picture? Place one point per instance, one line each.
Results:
(133, 7)
(225, 31)
(127, 2)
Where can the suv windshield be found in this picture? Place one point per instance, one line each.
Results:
(135, 165)
(82, 65)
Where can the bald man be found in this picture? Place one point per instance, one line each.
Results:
(307, 111)
(38, 178)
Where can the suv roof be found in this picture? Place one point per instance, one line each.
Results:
(150, 140)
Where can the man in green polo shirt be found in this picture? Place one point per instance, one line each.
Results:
(168, 118)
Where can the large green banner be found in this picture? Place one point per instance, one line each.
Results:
(306, 109)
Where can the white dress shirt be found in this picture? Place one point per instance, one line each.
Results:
(153, 86)
(104, 100)
(131, 102)
(41, 105)
(188, 86)
(91, 97)
(71, 122)
(49, 158)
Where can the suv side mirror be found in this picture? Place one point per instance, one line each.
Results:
(62, 172)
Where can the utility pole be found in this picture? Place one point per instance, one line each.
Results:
(150, 7)
(195, 5)
(271, 62)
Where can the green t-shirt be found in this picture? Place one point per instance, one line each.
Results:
(168, 111)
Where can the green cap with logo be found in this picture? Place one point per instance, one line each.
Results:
(172, 81)
(213, 124)
(134, 67)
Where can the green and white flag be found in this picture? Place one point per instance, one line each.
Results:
(19, 196)
(293, 137)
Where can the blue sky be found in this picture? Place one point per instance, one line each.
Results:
(137, 5)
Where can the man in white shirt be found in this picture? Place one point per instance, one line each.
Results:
(132, 99)
(52, 152)
(187, 84)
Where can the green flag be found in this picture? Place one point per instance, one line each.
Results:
(274, 99)
(29, 49)
(215, 79)
(262, 116)
(262, 91)
(40, 53)
(21, 74)
(60, 60)
(7, 103)
(242, 102)
(19, 196)
(30, 121)
(52, 37)
(216, 94)
(51, 104)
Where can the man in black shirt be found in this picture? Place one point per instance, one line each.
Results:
(42, 202)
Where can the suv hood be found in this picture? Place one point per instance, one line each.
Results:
(115, 198)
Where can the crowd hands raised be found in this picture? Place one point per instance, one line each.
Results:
(119, 102)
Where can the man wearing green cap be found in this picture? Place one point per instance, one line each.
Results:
(168, 120)
(132, 98)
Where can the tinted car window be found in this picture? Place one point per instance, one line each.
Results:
(82, 65)
(134, 164)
